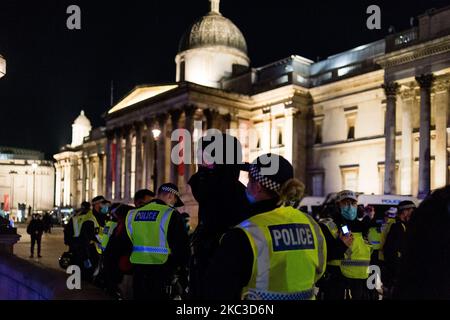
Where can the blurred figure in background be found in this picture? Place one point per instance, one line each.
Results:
(142, 197)
(222, 205)
(112, 255)
(425, 265)
(47, 221)
(35, 229)
(394, 247)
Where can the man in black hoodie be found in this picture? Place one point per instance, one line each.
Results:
(35, 230)
(222, 203)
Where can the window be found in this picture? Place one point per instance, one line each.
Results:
(350, 115)
(182, 70)
(350, 128)
(350, 176)
(317, 185)
(318, 133)
(280, 137)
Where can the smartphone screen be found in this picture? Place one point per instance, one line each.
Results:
(345, 230)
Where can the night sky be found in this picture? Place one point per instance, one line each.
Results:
(53, 73)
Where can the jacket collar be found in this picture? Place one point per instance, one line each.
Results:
(264, 206)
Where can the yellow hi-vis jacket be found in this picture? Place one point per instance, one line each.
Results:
(356, 262)
(78, 222)
(147, 228)
(386, 227)
(374, 237)
(289, 255)
(108, 230)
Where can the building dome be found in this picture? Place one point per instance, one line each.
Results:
(210, 49)
(213, 30)
(81, 128)
(82, 120)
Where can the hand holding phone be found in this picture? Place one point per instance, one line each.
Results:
(345, 230)
(346, 236)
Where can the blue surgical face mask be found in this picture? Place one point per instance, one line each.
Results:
(250, 197)
(104, 209)
(349, 212)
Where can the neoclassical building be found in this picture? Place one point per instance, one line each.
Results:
(373, 119)
(26, 178)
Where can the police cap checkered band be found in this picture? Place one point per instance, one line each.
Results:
(266, 182)
(170, 190)
(346, 194)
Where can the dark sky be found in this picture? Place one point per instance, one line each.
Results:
(53, 73)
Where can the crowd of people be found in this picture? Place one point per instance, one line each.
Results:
(253, 243)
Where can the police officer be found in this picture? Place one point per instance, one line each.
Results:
(110, 226)
(394, 247)
(87, 231)
(160, 248)
(276, 254)
(348, 252)
(389, 219)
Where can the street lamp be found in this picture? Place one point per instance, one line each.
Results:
(34, 166)
(156, 133)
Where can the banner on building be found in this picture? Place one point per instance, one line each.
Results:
(6, 202)
(181, 154)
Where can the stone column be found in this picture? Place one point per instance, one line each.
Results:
(108, 152)
(226, 122)
(74, 179)
(189, 112)
(58, 188)
(91, 166)
(211, 118)
(128, 133)
(83, 179)
(139, 156)
(149, 156)
(441, 158)
(175, 118)
(118, 164)
(390, 89)
(425, 81)
(161, 150)
(100, 185)
(407, 141)
(302, 124)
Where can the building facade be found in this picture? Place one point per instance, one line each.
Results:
(80, 166)
(373, 119)
(26, 179)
